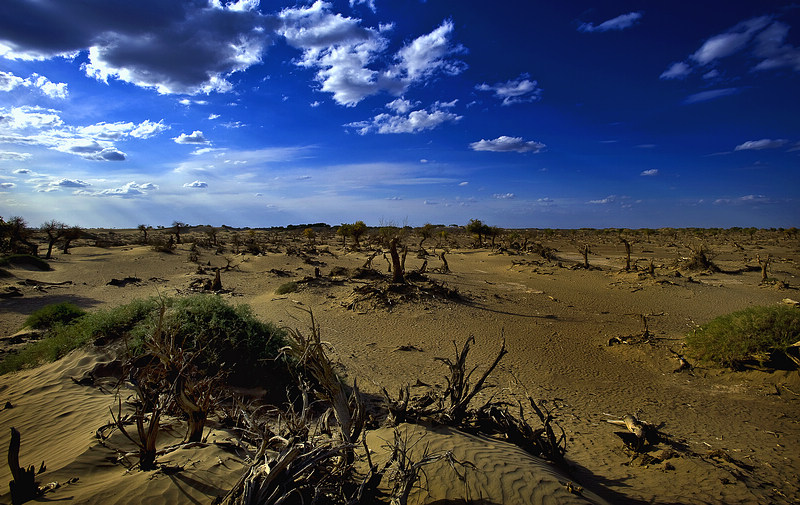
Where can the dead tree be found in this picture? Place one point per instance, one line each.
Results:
(764, 264)
(627, 254)
(445, 267)
(23, 487)
(584, 250)
(398, 274)
(54, 230)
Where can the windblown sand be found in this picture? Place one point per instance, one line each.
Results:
(734, 435)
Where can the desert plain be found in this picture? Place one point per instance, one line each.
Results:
(591, 344)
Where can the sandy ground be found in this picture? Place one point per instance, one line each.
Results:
(733, 436)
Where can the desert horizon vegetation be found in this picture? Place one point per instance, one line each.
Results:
(183, 355)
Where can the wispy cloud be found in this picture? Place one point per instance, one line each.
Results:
(196, 184)
(712, 94)
(508, 144)
(756, 145)
(761, 38)
(620, 22)
(745, 200)
(518, 90)
(650, 172)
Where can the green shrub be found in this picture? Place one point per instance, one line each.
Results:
(754, 334)
(225, 336)
(54, 314)
(286, 287)
(25, 260)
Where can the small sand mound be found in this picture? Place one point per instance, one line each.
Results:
(502, 473)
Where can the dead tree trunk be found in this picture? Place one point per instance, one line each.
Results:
(585, 252)
(398, 276)
(23, 487)
(627, 254)
(764, 264)
(445, 266)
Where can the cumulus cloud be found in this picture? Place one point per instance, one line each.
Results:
(518, 90)
(196, 184)
(7, 185)
(196, 137)
(349, 59)
(173, 47)
(711, 94)
(650, 172)
(504, 196)
(756, 145)
(69, 183)
(508, 144)
(620, 22)
(403, 121)
(762, 39)
(9, 81)
(39, 126)
(129, 190)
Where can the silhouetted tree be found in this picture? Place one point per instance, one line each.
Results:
(143, 228)
(70, 234)
(54, 231)
(178, 226)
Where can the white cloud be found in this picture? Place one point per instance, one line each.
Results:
(760, 38)
(650, 172)
(348, 57)
(147, 129)
(12, 156)
(463, 183)
(131, 189)
(69, 183)
(745, 200)
(22, 171)
(508, 144)
(413, 122)
(677, 70)
(620, 22)
(21, 118)
(9, 81)
(196, 137)
(761, 144)
(401, 105)
(212, 117)
(196, 184)
(368, 3)
(712, 94)
(514, 91)
(7, 185)
(504, 196)
(730, 42)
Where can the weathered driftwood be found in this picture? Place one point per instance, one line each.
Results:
(23, 487)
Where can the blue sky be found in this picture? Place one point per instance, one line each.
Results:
(521, 114)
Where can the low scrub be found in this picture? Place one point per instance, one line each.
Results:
(755, 334)
(287, 287)
(224, 336)
(55, 314)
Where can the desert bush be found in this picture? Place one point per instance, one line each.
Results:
(759, 334)
(54, 314)
(25, 260)
(223, 335)
(286, 287)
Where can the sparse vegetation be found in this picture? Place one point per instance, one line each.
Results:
(286, 287)
(55, 314)
(755, 334)
(224, 334)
